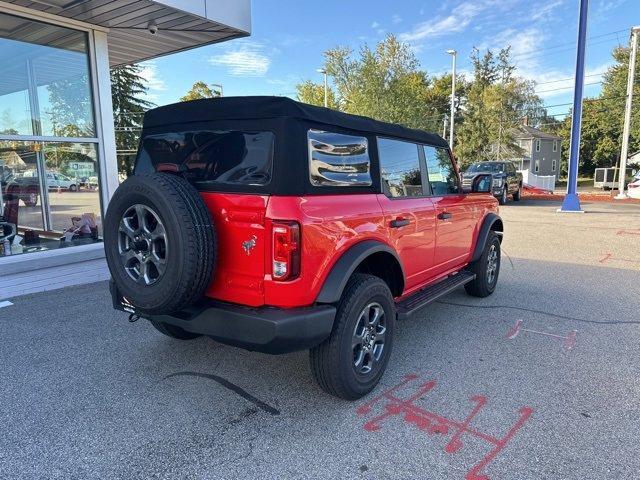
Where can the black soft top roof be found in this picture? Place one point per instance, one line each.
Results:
(254, 108)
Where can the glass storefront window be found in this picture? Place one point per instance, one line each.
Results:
(49, 188)
(49, 193)
(45, 83)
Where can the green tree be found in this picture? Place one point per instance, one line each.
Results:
(313, 94)
(127, 91)
(201, 90)
(384, 83)
(496, 102)
(602, 119)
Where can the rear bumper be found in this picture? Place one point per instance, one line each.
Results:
(264, 329)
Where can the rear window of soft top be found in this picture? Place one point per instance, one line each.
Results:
(210, 157)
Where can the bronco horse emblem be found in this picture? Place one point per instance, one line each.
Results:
(249, 245)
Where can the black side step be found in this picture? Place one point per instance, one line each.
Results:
(416, 301)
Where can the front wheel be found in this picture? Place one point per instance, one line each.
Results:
(502, 199)
(350, 363)
(486, 268)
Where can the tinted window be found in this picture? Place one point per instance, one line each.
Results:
(399, 168)
(214, 157)
(338, 160)
(442, 176)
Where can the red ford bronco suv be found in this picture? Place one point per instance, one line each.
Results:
(276, 226)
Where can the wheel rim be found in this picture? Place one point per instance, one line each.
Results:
(368, 341)
(142, 244)
(492, 264)
(33, 198)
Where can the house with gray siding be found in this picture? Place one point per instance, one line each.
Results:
(541, 151)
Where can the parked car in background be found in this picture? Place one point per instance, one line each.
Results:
(634, 187)
(506, 179)
(54, 180)
(277, 226)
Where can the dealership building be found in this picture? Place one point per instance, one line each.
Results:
(58, 164)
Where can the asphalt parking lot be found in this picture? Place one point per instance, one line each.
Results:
(538, 381)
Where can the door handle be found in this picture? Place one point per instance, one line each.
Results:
(445, 216)
(399, 222)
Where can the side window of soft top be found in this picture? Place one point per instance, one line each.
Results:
(338, 160)
(400, 168)
(443, 177)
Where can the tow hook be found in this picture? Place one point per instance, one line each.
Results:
(134, 317)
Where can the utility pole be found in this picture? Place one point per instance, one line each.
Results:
(453, 54)
(444, 127)
(326, 87)
(624, 154)
(571, 202)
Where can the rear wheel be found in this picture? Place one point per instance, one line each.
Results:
(486, 268)
(173, 331)
(350, 363)
(518, 194)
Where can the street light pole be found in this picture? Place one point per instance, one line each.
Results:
(453, 54)
(627, 113)
(571, 202)
(326, 87)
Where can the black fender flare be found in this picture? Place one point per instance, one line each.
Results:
(347, 264)
(490, 222)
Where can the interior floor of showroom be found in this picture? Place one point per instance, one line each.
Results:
(539, 380)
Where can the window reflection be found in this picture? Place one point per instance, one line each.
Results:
(442, 175)
(49, 194)
(399, 168)
(338, 160)
(45, 83)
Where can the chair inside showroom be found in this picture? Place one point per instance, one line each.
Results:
(9, 217)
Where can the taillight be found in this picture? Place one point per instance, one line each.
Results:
(286, 250)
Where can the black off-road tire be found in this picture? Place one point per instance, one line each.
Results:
(517, 194)
(502, 199)
(190, 242)
(481, 286)
(332, 362)
(173, 331)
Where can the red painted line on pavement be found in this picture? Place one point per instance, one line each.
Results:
(433, 423)
(606, 257)
(569, 341)
(628, 232)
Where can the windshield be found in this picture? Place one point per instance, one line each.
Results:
(486, 167)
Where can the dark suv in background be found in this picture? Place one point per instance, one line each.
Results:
(506, 179)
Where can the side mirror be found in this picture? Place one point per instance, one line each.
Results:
(481, 183)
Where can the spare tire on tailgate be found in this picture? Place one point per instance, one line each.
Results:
(160, 242)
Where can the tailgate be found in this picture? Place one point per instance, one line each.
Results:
(240, 229)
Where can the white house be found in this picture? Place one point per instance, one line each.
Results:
(56, 118)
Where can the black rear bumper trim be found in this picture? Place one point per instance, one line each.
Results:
(263, 329)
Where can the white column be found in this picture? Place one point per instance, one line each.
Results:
(104, 115)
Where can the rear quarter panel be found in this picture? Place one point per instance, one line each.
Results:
(330, 224)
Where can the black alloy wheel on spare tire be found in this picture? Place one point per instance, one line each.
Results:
(160, 243)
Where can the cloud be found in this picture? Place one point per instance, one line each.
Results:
(396, 19)
(558, 82)
(456, 21)
(149, 73)
(375, 25)
(545, 12)
(523, 42)
(245, 58)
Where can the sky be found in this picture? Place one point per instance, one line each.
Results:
(289, 37)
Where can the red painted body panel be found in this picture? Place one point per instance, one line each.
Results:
(428, 248)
